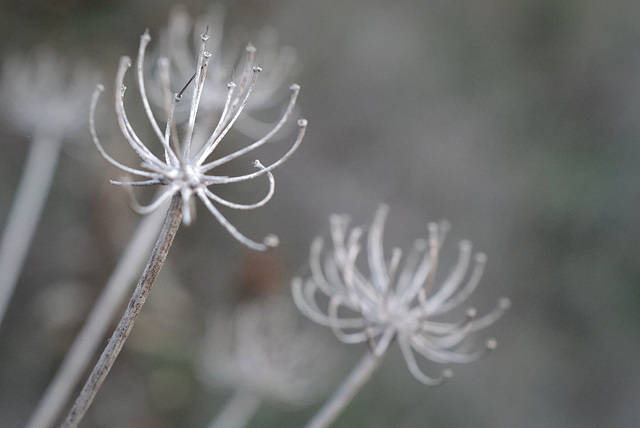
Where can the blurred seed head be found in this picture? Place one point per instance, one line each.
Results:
(395, 297)
(45, 92)
(263, 348)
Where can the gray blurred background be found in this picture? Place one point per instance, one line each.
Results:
(518, 121)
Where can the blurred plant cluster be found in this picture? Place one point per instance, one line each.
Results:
(515, 121)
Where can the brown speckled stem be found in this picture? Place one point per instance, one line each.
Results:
(120, 335)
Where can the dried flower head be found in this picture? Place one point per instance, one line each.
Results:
(178, 48)
(40, 93)
(264, 349)
(395, 298)
(185, 165)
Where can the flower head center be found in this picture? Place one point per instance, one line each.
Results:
(398, 316)
(185, 177)
(191, 177)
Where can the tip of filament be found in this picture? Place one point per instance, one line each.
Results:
(447, 374)
(125, 61)
(481, 258)
(100, 87)
(504, 303)
(471, 313)
(302, 123)
(271, 241)
(465, 245)
(339, 220)
(383, 209)
(433, 229)
(257, 69)
(250, 48)
(294, 87)
(206, 54)
(145, 36)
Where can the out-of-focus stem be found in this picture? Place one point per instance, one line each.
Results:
(29, 201)
(346, 391)
(238, 411)
(92, 333)
(120, 335)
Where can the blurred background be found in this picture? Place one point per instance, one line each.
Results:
(518, 121)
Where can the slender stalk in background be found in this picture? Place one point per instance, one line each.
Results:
(26, 211)
(346, 391)
(183, 174)
(40, 95)
(120, 335)
(394, 299)
(265, 354)
(84, 347)
(238, 410)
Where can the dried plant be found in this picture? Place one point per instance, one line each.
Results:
(264, 354)
(390, 300)
(180, 170)
(179, 46)
(91, 335)
(183, 171)
(43, 98)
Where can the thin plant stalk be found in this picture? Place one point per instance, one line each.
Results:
(120, 335)
(238, 411)
(30, 198)
(86, 343)
(346, 391)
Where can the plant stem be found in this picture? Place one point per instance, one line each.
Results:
(346, 391)
(238, 411)
(120, 335)
(26, 210)
(84, 347)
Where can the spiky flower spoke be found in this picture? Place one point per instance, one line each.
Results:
(395, 298)
(412, 364)
(178, 53)
(179, 170)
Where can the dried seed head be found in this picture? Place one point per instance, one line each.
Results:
(180, 170)
(392, 298)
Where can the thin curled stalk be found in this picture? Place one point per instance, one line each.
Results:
(90, 337)
(346, 391)
(120, 335)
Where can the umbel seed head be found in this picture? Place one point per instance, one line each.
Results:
(396, 297)
(187, 167)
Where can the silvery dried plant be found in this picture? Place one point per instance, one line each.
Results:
(42, 98)
(184, 168)
(177, 52)
(394, 298)
(91, 335)
(264, 354)
(179, 46)
(183, 171)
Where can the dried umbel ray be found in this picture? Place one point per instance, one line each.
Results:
(395, 298)
(186, 168)
(179, 45)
